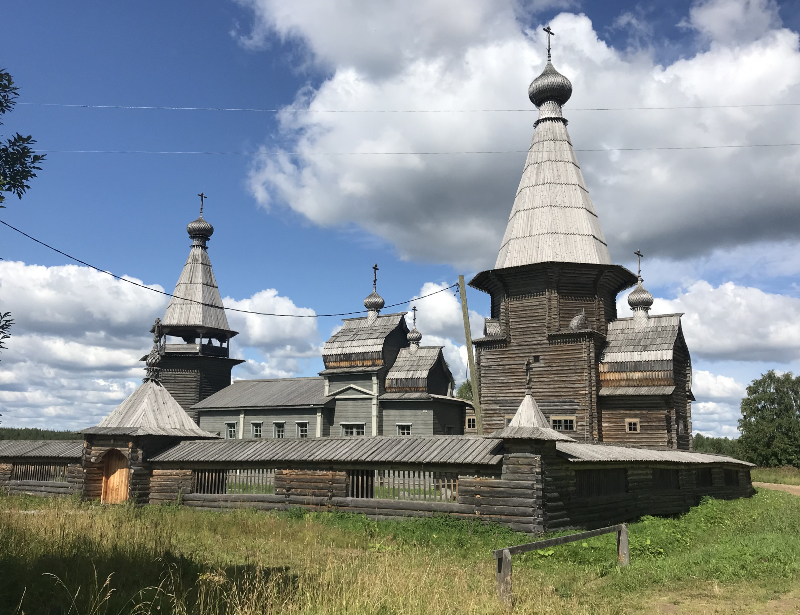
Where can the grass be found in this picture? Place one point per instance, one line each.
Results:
(787, 475)
(58, 556)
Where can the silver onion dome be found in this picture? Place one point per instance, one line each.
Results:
(374, 301)
(640, 298)
(200, 228)
(414, 336)
(550, 86)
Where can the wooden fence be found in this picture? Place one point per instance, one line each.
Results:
(40, 472)
(240, 481)
(410, 485)
(503, 556)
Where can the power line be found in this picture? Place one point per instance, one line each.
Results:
(162, 292)
(285, 109)
(454, 153)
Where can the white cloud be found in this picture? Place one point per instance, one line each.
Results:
(79, 334)
(708, 385)
(417, 56)
(715, 419)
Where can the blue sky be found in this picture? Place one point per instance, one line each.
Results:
(310, 227)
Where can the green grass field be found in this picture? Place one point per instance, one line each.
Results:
(61, 556)
(787, 475)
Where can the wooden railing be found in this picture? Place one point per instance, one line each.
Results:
(412, 485)
(244, 481)
(503, 556)
(40, 472)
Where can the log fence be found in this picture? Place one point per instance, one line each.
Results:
(503, 556)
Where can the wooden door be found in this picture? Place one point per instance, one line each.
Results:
(115, 478)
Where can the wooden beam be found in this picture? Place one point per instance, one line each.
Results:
(504, 578)
(476, 394)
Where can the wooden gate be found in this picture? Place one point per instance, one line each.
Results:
(115, 477)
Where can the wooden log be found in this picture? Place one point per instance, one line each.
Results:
(504, 578)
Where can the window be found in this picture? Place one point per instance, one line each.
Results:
(632, 425)
(470, 423)
(563, 423)
(255, 430)
(279, 430)
(731, 478)
(665, 480)
(536, 358)
(592, 483)
(404, 429)
(353, 429)
(449, 430)
(302, 429)
(704, 477)
(508, 420)
(230, 431)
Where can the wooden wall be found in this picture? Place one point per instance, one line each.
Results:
(73, 484)
(651, 411)
(190, 379)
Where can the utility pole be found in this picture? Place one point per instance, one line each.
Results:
(476, 395)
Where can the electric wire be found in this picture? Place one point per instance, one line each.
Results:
(230, 309)
(291, 109)
(454, 153)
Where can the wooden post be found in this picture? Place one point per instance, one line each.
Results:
(476, 395)
(504, 577)
(623, 550)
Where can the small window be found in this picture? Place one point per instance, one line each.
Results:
(230, 431)
(279, 430)
(563, 423)
(302, 429)
(508, 420)
(353, 429)
(449, 430)
(470, 423)
(731, 478)
(404, 429)
(632, 425)
(536, 358)
(704, 477)
(255, 430)
(593, 483)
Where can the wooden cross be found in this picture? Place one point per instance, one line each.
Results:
(414, 309)
(549, 34)
(203, 197)
(528, 375)
(374, 276)
(639, 254)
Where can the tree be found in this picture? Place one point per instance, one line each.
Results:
(719, 446)
(770, 423)
(18, 162)
(464, 390)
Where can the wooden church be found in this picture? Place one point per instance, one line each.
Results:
(553, 289)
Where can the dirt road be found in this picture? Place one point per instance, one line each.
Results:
(793, 489)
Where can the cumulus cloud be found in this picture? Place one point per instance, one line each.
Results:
(714, 386)
(716, 419)
(79, 334)
(481, 55)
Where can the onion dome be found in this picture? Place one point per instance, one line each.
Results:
(550, 86)
(153, 362)
(640, 298)
(374, 302)
(200, 228)
(414, 336)
(578, 323)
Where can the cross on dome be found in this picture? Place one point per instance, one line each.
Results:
(549, 34)
(203, 197)
(374, 302)
(414, 337)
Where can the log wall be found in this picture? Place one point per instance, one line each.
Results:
(73, 484)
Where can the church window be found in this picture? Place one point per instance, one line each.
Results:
(353, 429)
(302, 429)
(404, 429)
(255, 430)
(470, 423)
(230, 431)
(279, 430)
(563, 423)
(632, 425)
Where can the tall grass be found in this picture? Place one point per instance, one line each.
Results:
(64, 557)
(786, 475)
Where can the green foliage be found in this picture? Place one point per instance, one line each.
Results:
(464, 390)
(18, 161)
(719, 446)
(787, 475)
(770, 423)
(34, 433)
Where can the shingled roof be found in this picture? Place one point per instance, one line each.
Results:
(580, 452)
(412, 368)
(42, 449)
(149, 411)
(197, 305)
(273, 393)
(360, 342)
(638, 358)
(553, 218)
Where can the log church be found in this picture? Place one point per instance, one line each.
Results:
(587, 415)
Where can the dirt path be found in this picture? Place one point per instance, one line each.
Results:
(793, 489)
